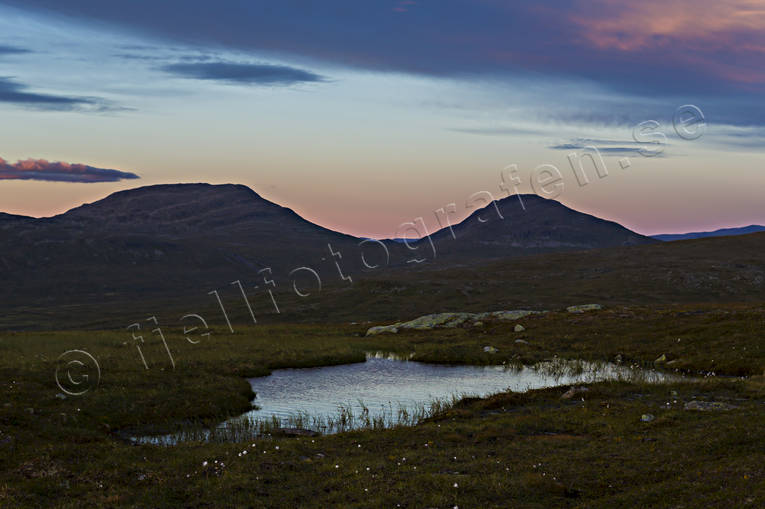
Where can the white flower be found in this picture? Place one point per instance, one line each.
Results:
(456, 485)
(204, 463)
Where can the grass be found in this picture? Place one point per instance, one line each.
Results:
(523, 450)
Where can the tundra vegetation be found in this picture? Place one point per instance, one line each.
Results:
(623, 443)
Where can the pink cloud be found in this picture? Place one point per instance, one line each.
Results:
(41, 169)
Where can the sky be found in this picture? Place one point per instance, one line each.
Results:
(362, 116)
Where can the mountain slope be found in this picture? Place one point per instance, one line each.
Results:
(158, 240)
(174, 244)
(527, 224)
(723, 232)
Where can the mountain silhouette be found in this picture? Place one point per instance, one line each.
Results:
(164, 243)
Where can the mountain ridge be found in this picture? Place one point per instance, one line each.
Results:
(167, 241)
(722, 232)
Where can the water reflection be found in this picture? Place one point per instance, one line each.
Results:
(388, 390)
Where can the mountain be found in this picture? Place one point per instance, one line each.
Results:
(526, 224)
(159, 242)
(723, 232)
(165, 246)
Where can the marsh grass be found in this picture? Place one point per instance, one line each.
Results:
(348, 417)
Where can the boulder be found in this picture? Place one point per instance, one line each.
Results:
(449, 320)
(382, 328)
(584, 308)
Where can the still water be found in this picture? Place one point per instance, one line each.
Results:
(391, 390)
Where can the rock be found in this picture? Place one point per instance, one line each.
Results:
(708, 406)
(647, 418)
(490, 349)
(60, 396)
(522, 341)
(583, 308)
(519, 328)
(478, 324)
(513, 315)
(446, 320)
(373, 331)
(449, 320)
(573, 392)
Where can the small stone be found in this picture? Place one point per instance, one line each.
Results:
(490, 349)
(647, 417)
(708, 406)
(519, 328)
(478, 324)
(583, 308)
(60, 396)
(573, 392)
(521, 341)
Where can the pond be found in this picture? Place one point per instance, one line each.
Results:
(387, 391)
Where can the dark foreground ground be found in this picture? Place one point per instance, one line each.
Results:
(702, 448)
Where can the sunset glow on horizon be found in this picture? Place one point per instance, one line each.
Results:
(363, 116)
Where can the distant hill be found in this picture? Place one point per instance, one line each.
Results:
(699, 271)
(723, 232)
(526, 224)
(172, 244)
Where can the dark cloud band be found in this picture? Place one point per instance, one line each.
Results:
(249, 74)
(16, 93)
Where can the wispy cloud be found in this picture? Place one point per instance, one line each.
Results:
(497, 131)
(12, 50)
(41, 169)
(17, 93)
(243, 73)
(606, 147)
